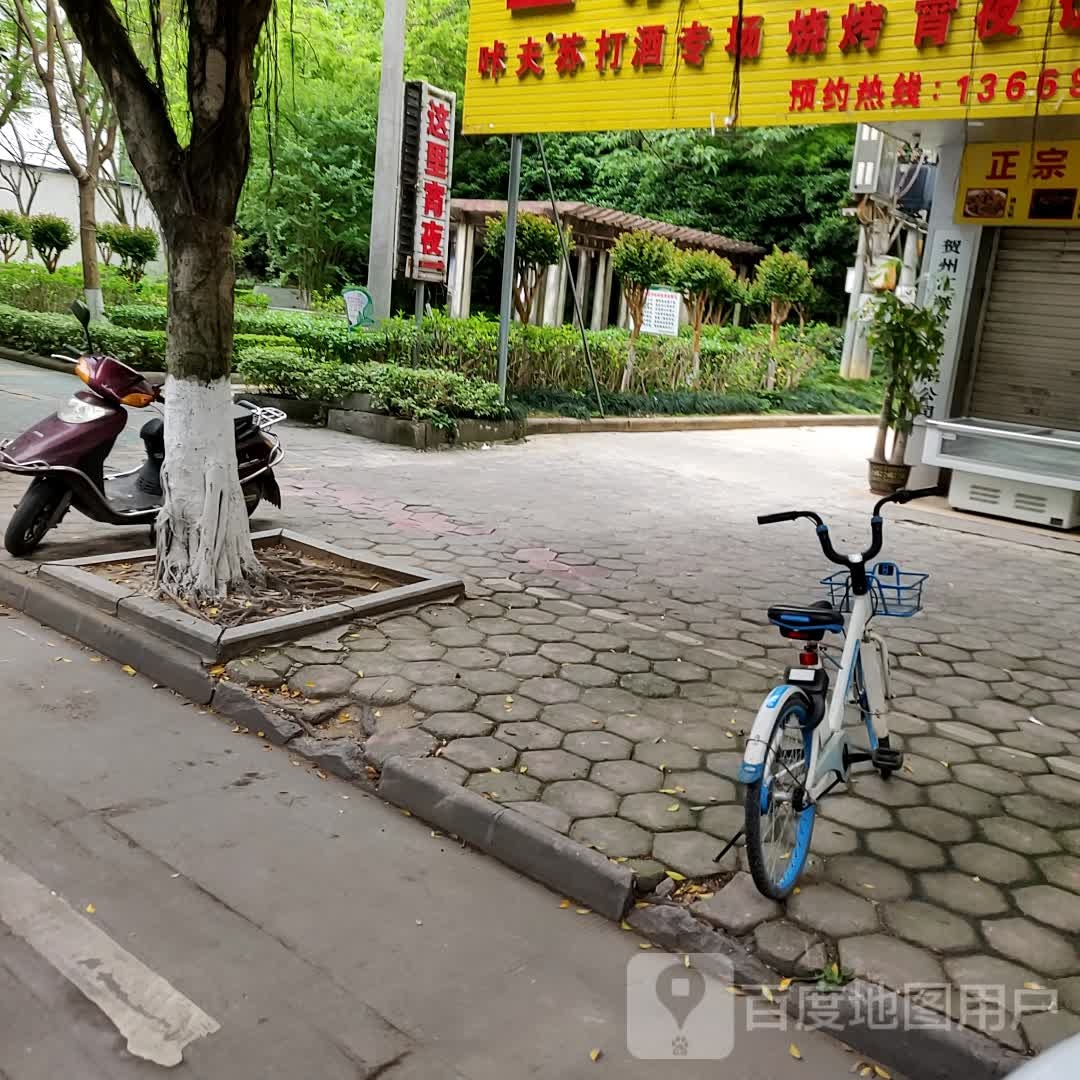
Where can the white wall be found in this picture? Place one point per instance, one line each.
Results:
(58, 194)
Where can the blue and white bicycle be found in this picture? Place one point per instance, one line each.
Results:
(799, 748)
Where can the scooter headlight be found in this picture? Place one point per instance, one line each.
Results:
(82, 369)
(77, 411)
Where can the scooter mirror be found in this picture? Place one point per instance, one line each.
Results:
(81, 312)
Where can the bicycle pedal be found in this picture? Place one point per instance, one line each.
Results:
(884, 757)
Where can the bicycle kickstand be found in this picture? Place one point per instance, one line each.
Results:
(730, 844)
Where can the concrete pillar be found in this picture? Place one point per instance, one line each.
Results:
(853, 329)
(457, 289)
(609, 283)
(596, 322)
(467, 271)
(584, 265)
(624, 312)
(560, 302)
(551, 315)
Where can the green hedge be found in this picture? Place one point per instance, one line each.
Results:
(439, 396)
(31, 287)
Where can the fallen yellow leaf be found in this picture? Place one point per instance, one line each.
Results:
(867, 885)
(667, 791)
(523, 769)
(767, 994)
(795, 1052)
(784, 984)
(583, 911)
(686, 961)
(1033, 986)
(883, 1073)
(127, 669)
(594, 1055)
(675, 876)
(673, 808)
(796, 890)
(645, 945)
(218, 669)
(493, 769)
(90, 909)
(95, 659)
(735, 991)
(309, 684)
(834, 970)
(625, 925)
(642, 903)
(320, 774)
(868, 1071)
(564, 904)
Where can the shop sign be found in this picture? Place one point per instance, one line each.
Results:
(1020, 183)
(596, 65)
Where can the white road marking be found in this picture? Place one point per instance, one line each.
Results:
(155, 1018)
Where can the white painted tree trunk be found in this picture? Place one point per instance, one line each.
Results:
(95, 304)
(203, 540)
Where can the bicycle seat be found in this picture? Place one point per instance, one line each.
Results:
(807, 620)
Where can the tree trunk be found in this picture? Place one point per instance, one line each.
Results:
(631, 356)
(88, 247)
(699, 318)
(204, 545)
(899, 448)
(883, 426)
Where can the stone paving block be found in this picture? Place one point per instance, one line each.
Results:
(691, 853)
(322, 681)
(437, 699)
(723, 822)
(602, 641)
(738, 907)
(1024, 941)
(612, 836)
(988, 779)
(480, 753)
(940, 749)
(637, 728)
(725, 764)
(656, 812)
(1062, 870)
(680, 671)
(249, 672)
(622, 663)
(581, 799)
(528, 735)
(1064, 717)
(928, 925)
(438, 768)
(921, 708)
(961, 732)
(611, 700)
(366, 640)
(893, 792)
(1041, 810)
(406, 742)
(831, 838)
(1035, 740)
(983, 970)
(832, 911)
(626, 777)
(936, 824)
(1015, 761)
(1019, 836)
(667, 756)
(1050, 905)
(782, 946)
(457, 637)
(597, 745)
(906, 850)
(648, 685)
(889, 961)
(860, 814)
(869, 878)
(587, 675)
(572, 717)
(511, 644)
(546, 634)
(504, 707)
(471, 657)
(528, 667)
(504, 787)
(700, 788)
(404, 626)
(550, 816)
(550, 765)
(385, 690)
(964, 800)
(487, 682)
(457, 725)
(1056, 787)
(991, 863)
(924, 771)
(566, 652)
(549, 691)
(963, 894)
(415, 650)
(1046, 1029)
(994, 715)
(369, 665)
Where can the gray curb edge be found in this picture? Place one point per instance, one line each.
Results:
(939, 1051)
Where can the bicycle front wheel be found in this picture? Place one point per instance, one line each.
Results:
(779, 822)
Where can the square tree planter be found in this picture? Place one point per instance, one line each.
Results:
(409, 585)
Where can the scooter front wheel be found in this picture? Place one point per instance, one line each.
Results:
(34, 516)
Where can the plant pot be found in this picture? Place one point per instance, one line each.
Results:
(886, 478)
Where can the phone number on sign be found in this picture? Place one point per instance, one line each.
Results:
(908, 90)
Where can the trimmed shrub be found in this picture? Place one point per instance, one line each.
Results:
(14, 232)
(134, 246)
(50, 237)
(31, 287)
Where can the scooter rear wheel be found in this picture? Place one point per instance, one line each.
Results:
(34, 515)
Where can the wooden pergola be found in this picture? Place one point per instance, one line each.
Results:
(594, 230)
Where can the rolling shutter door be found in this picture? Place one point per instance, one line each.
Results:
(1027, 367)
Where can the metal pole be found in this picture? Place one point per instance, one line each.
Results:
(419, 311)
(384, 204)
(506, 301)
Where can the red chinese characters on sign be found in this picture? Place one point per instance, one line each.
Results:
(932, 20)
(803, 93)
(609, 50)
(569, 58)
(530, 59)
(808, 30)
(1003, 164)
(1070, 16)
(492, 60)
(747, 44)
(1049, 164)
(862, 26)
(835, 94)
(649, 46)
(693, 41)
(431, 238)
(907, 90)
(994, 19)
(870, 94)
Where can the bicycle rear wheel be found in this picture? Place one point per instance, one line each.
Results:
(779, 826)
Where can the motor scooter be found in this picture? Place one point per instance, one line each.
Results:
(65, 453)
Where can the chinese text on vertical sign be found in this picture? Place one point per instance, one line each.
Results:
(554, 65)
(431, 240)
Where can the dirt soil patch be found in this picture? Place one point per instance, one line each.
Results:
(295, 581)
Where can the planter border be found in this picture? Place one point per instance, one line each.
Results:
(210, 642)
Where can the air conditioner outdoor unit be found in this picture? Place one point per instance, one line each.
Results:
(1016, 499)
(874, 162)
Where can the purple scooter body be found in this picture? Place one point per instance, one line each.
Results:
(65, 455)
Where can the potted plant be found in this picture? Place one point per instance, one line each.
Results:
(906, 341)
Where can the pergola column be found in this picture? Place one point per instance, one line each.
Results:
(551, 316)
(467, 271)
(584, 265)
(457, 288)
(598, 293)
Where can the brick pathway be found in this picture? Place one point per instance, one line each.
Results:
(613, 649)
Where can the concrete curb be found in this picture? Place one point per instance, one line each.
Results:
(943, 1049)
(542, 854)
(567, 425)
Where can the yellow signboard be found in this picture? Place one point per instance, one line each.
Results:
(596, 65)
(1021, 183)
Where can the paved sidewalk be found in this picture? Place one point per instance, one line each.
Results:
(613, 648)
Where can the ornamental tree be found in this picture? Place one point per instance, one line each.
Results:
(191, 151)
(782, 281)
(641, 259)
(14, 232)
(134, 245)
(50, 237)
(536, 247)
(707, 282)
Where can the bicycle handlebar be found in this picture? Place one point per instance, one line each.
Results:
(855, 563)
